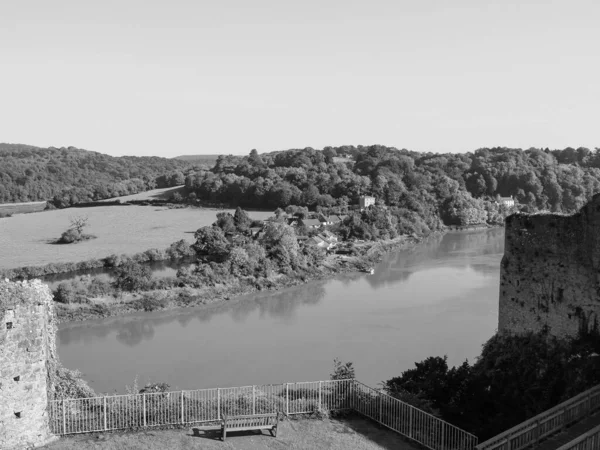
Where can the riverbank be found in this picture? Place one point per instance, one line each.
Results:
(369, 253)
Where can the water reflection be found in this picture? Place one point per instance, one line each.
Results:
(457, 249)
(440, 298)
(132, 330)
(159, 269)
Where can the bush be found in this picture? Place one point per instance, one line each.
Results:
(155, 254)
(70, 236)
(342, 371)
(70, 292)
(151, 302)
(132, 276)
(69, 384)
(64, 293)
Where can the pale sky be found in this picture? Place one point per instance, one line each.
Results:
(172, 77)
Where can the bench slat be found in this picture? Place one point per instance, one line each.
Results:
(250, 422)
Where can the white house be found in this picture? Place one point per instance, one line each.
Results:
(507, 201)
(364, 201)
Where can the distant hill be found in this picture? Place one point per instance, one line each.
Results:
(66, 176)
(204, 159)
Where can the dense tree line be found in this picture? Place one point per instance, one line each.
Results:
(515, 378)
(65, 176)
(454, 189)
(228, 249)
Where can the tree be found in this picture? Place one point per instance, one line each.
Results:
(78, 223)
(211, 244)
(241, 220)
(342, 371)
(279, 240)
(226, 222)
(132, 276)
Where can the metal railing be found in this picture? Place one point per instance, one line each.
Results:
(116, 412)
(545, 424)
(422, 427)
(587, 441)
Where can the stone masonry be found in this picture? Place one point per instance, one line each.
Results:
(550, 272)
(27, 355)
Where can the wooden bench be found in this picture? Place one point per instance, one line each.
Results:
(250, 422)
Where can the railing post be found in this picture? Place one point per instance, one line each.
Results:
(320, 389)
(410, 421)
(564, 421)
(380, 407)
(287, 399)
(104, 401)
(182, 421)
(253, 400)
(443, 435)
(64, 417)
(219, 403)
(537, 432)
(144, 405)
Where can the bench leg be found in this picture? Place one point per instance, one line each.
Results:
(273, 431)
(224, 434)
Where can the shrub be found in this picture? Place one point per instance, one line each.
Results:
(342, 371)
(64, 293)
(151, 302)
(155, 254)
(70, 236)
(69, 384)
(132, 276)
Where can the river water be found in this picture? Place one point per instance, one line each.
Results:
(440, 298)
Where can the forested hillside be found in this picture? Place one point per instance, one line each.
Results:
(426, 188)
(65, 176)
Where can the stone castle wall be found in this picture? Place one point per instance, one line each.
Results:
(550, 272)
(27, 355)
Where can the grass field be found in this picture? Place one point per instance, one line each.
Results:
(25, 239)
(354, 433)
(21, 208)
(154, 194)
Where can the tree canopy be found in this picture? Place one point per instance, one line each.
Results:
(65, 176)
(455, 189)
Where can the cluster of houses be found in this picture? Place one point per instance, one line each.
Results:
(316, 223)
(324, 239)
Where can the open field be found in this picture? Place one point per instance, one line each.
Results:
(154, 194)
(26, 239)
(209, 160)
(354, 433)
(21, 208)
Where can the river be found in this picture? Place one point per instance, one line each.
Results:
(439, 298)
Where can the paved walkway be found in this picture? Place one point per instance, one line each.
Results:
(570, 433)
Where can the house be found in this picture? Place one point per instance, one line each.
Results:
(507, 201)
(255, 231)
(329, 236)
(316, 240)
(364, 201)
(334, 218)
(310, 223)
(320, 242)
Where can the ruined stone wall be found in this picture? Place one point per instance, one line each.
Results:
(27, 356)
(550, 272)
